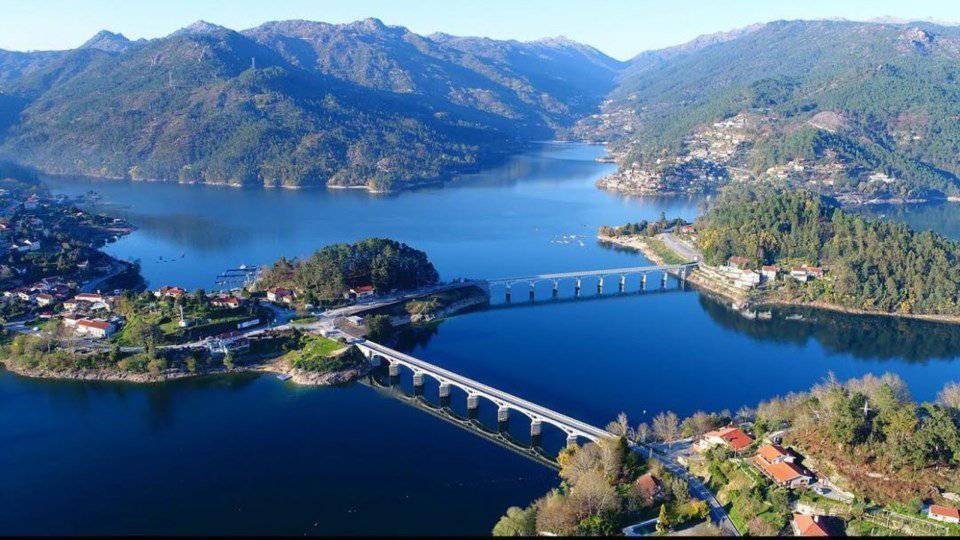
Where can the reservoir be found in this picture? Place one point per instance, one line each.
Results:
(250, 454)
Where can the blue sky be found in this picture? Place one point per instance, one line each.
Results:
(620, 28)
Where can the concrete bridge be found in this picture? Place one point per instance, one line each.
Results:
(505, 402)
(679, 270)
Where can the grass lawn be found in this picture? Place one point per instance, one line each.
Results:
(316, 353)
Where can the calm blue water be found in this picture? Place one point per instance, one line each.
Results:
(254, 455)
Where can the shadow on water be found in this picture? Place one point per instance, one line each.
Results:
(159, 399)
(865, 337)
(501, 436)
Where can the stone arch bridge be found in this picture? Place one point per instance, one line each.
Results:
(505, 402)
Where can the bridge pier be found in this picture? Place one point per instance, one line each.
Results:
(444, 394)
(576, 289)
(503, 419)
(418, 383)
(663, 280)
(508, 294)
(600, 285)
(571, 440)
(394, 369)
(535, 429)
(531, 291)
(473, 405)
(556, 288)
(643, 282)
(623, 283)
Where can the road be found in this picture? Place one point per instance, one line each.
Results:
(667, 455)
(682, 248)
(116, 268)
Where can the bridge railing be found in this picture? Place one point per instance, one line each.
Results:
(518, 403)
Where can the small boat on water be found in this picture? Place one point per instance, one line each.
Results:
(284, 376)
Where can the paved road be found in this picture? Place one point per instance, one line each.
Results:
(667, 455)
(682, 248)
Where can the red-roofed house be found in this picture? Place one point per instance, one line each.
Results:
(804, 525)
(946, 514)
(778, 465)
(362, 291)
(280, 296)
(774, 453)
(94, 328)
(168, 291)
(729, 437)
(784, 473)
(649, 487)
(231, 302)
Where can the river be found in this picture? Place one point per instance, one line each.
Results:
(254, 455)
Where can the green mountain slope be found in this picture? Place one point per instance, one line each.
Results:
(291, 104)
(860, 109)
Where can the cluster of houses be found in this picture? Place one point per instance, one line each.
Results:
(282, 296)
(775, 462)
(44, 292)
(89, 315)
(784, 468)
(738, 269)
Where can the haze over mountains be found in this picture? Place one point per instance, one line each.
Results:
(298, 103)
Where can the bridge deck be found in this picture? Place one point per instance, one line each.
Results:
(515, 402)
(587, 273)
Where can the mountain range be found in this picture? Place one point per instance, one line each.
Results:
(856, 108)
(292, 103)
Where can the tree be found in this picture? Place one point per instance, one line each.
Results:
(593, 495)
(666, 426)
(699, 423)
(379, 327)
(517, 522)
(642, 433)
(679, 488)
(663, 520)
(949, 396)
(228, 360)
(143, 333)
(620, 426)
(555, 515)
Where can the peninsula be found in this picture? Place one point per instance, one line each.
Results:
(776, 246)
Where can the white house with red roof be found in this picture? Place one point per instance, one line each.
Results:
(804, 525)
(777, 464)
(363, 291)
(946, 514)
(729, 437)
(94, 328)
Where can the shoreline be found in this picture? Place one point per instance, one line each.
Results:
(273, 367)
(700, 278)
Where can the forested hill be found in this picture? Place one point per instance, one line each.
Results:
(291, 103)
(858, 109)
(873, 265)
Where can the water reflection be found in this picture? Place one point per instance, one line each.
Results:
(865, 337)
(940, 217)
